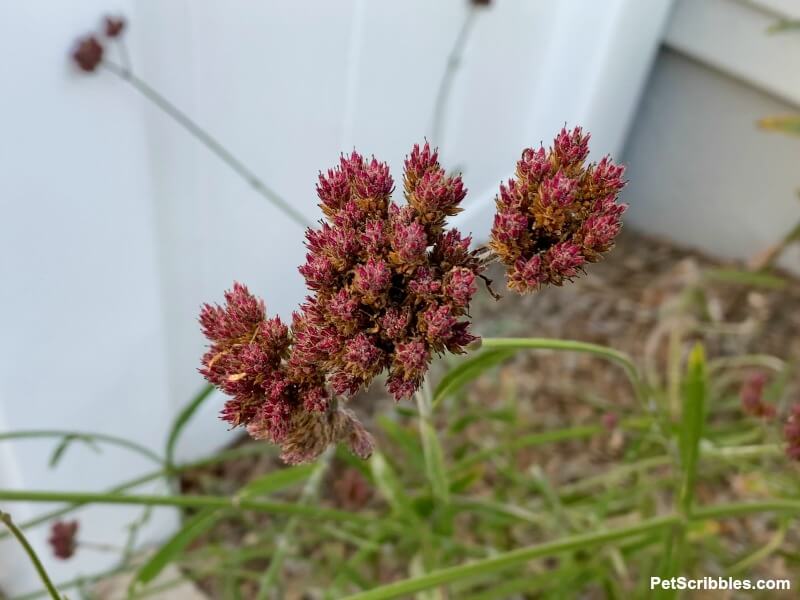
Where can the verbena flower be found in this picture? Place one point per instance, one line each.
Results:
(88, 53)
(557, 213)
(752, 396)
(390, 287)
(791, 433)
(113, 26)
(62, 538)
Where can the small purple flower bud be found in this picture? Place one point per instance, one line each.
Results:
(113, 26)
(571, 147)
(88, 54)
(533, 165)
(63, 538)
(752, 396)
(791, 433)
(372, 278)
(563, 261)
(460, 287)
(558, 190)
(410, 242)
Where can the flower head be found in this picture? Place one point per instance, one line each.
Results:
(113, 26)
(88, 53)
(791, 433)
(62, 538)
(752, 396)
(557, 213)
(389, 287)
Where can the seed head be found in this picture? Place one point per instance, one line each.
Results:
(557, 213)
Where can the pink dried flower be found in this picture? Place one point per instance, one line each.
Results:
(88, 53)
(557, 213)
(791, 433)
(610, 421)
(752, 395)
(390, 287)
(63, 538)
(114, 26)
(352, 490)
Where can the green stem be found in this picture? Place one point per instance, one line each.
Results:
(738, 509)
(17, 533)
(83, 436)
(446, 83)
(610, 354)
(522, 555)
(146, 478)
(188, 501)
(208, 141)
(310, 490)
(509, 559)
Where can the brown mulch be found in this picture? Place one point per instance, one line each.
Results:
(637, 301)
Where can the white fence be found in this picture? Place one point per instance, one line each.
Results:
(116, 225)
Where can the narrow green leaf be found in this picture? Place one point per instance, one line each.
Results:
(432, 449)
(405, 437)
(182, 420)
(692, 423)
(504, 560)
(757, 279)
(467, 371)
(389, 486)
(276, 480)
(172, 549)
(58, 452)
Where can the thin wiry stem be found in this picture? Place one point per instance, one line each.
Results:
(207, 140)
(185, 501)
(83, 436)
(310, 491)
(17, 533)
(141, 480)
(448, 77)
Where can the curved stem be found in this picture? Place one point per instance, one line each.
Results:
(286, 508)
(310, 490)
(446, 83)
(208, 141)
(17, 533)
(86, 437)
(622, 359)
(146, 478)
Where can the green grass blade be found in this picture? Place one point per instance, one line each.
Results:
(432, 449)
(182, 420)
(389, 486)
(174, 547)
(276, 480)
(467, 371)
(499, 562)
(692, 425)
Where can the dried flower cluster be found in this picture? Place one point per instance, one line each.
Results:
(62, 538)
(557, 214)
(390, 287)
(752, 396)
(791, 433)
(89, 50)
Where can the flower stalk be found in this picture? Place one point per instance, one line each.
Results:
(5, 518)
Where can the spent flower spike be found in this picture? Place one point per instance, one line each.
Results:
(557, 213)
(390, 287)
(63, 538)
